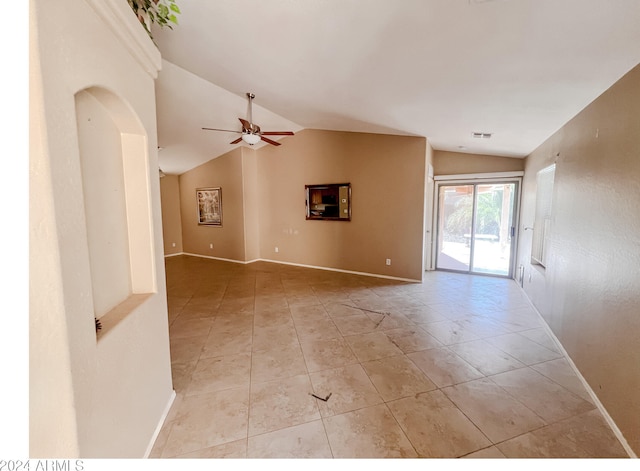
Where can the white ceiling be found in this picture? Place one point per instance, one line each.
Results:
(442, 69)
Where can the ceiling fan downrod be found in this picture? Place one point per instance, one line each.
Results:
(250, 96)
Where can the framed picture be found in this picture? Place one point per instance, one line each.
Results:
(330, 202)
(209, 206)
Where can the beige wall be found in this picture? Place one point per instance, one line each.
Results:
(251, 203)
(458, 163)
(224, 172)
(387, 176)
(88, 397)
(171, 217)
(263, 195)
(589, 292)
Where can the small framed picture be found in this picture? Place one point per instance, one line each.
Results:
(209, 206)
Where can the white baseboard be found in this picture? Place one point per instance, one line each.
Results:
(592, 394)
(373, 275)
(214, 258)
(154, 437)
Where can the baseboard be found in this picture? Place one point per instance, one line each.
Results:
(592, 394)
(173, 254)
(373, 275)
(215, 258)
(154, 437)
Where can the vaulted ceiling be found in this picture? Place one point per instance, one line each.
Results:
(442, 69)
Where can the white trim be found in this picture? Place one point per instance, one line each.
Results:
(173, 254)
(217, 258)
(164, 416)
(210, 257)
(592, 394)
(374, 275)
(479, 176)
(120, 18)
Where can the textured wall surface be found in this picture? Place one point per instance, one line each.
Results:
(589, 292)
(88, 396)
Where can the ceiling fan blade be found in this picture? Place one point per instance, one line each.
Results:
(236, 141)
(273, 143)
(248, 128)
(277, 133)
(224, 130)
(246, 125)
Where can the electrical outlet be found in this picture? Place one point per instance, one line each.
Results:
(173, 244)
(388, 261)
(210, 246)
(277, 250)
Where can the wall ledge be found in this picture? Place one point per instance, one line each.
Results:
(112, 319)
(122, 21)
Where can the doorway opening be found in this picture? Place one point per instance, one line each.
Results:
(476, 223)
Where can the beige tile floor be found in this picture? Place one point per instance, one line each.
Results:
(457, 366)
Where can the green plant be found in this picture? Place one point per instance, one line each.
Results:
(161, 12)
(487, 214)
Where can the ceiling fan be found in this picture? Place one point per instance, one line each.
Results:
(251, 132)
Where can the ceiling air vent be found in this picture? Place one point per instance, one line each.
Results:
(481, 135)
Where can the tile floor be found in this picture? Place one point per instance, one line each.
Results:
(457, 366)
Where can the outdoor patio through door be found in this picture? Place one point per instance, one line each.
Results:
(477, 227)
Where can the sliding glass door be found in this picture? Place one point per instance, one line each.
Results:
(455, 211)
(477, 227)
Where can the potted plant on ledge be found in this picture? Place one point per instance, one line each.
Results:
(161, 12)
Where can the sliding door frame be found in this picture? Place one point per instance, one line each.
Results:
(477, 179)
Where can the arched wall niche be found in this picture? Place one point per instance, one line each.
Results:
(113, 149)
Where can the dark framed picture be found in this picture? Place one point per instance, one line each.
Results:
(209, 206)
(331, 202)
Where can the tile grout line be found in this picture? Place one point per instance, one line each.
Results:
(324, 426)
(250, 368)
(447, 347)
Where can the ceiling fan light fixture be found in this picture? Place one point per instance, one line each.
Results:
(251, 133)
(251, 139)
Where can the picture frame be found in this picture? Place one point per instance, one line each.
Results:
(209, 205)
(328, 202)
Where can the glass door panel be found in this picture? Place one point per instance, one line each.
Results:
(491, 210)
(493, 228)
(455, 219)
